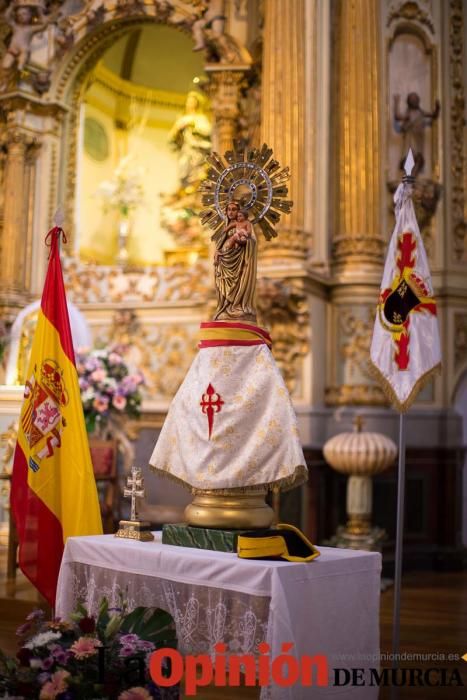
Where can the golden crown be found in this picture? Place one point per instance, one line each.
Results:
(52, 382)
(418, 285)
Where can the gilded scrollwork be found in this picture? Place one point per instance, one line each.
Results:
(460, 340)
(356, 385)
(89, 283)
(356, 332)
(7, 450)
(355, 395)
(63, 24)
(163, 352)
(414, 11)
(358, 248)
(8, 444)
(224, 89)
(283, 309)
(457, 129)
(290, 243)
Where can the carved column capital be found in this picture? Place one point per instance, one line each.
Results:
(15, 137)
(224, 91)
(361, 248)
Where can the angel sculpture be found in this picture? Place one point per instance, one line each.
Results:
(247, 189)
(412, 124)
(24, 23)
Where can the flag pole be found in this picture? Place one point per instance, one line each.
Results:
(399, 542)
(59, 220)
(408, 179)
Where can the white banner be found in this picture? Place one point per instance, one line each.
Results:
(405, 348)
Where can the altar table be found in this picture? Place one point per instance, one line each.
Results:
(328, 606)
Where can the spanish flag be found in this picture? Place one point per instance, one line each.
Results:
(53, 494)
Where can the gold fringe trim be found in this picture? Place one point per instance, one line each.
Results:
(389, 392)
(299, 477)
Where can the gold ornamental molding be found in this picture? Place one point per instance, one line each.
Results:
(457, 158)
(355, 395)
(224, 90)
(350, 381)
(460, 341)
(127, 90)
(150, 420)
(89, 283)
(410, 11)
(360, 248)
(283, 309)
(291, 242)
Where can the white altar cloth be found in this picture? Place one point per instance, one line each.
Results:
(329, 606)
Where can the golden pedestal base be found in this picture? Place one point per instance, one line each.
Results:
(135, 530)
(235, 511)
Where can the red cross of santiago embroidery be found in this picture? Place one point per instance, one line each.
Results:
(211, 403)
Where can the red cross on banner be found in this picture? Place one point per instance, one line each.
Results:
(211, 403)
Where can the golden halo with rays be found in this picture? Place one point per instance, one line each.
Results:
(251, 177)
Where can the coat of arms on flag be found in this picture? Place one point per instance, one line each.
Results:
(405, 350)
(42, 420)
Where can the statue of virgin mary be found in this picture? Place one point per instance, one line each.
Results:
(235, 263)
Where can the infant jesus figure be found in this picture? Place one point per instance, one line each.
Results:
(242, 231)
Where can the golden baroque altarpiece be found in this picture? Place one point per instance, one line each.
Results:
(319, 279)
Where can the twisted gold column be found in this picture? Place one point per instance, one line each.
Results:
(283, 120)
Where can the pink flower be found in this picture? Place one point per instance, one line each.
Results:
(84, 647)
(35, 615)
(101, 403)
(56, 685)
(119, 402)
(91, 364)
(136, 693)
(23, 629)
(83, 383)
(98, 375)
(115, 358)
(127, 650)
(136, 378)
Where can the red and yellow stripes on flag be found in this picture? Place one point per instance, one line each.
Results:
(54, 493)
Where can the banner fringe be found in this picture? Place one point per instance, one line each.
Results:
(389, 392)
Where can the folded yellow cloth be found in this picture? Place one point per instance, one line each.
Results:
(284, 542)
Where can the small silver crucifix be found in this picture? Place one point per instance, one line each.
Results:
(134, 489)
